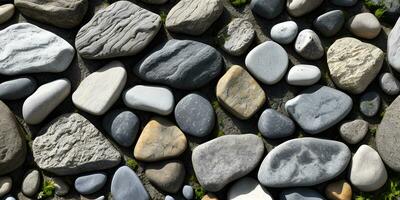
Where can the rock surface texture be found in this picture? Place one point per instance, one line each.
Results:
(237, 36)
(308, 45)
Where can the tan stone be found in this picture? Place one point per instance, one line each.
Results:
(209, 197)
(238, 92)
(160, 140)
(6, 12)
(166, 175)
(340, 190)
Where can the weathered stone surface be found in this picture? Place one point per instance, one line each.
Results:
(268, 9)
(166, 175)
(121, 29)
(31, 183)
(13, 147)
(340, 190)
(308, 45)
(284, 32)
(364, 25)
(126, 184)
(298, 8)
(330, 23)
(225, 159)
(236, 37)
(26, 48)
(193, 17)
(353, 64)
(5, 185)
(248, 188)
(303, 162)
(70, 144)
(6, 12)
(393, 46)
(354, 131)
(60, 13)
(17, 88)
(182, 64)
(239, 93)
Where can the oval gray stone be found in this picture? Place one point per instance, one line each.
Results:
(90, 184)
(31, 183)
(273, 124)
(17, 88)
(284, 32)
(330, 23)
(354, 131)
(267, 9)
(126, 184)
(122, 125)
(370, 103)
(303, 162)
(389, 84)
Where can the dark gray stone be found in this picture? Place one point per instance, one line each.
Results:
(90, 184)
(330, 23)
(195, 115)
(370, 103)
(188, 192)
(273, 124)
(182, 64)
(268, 9)
(126, 184)
(122, 125)
(389, 84)
(17, 88)
(300, 194)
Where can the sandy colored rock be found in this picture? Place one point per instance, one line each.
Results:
(340, 190)
(5, 185)
(364, 25)
(166, 175)
(209, 196)
(6, 12)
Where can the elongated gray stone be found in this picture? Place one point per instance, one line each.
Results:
(121, 29)
(17, 88)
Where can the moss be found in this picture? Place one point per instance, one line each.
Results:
(378, 9)
(382, 114)
(215, 104)
(163, 16)
(363, 196)
(131, 163)
(220, 133)
(199, 192)
(222, 38)
(238, 3)
(380, 12)
(372, 131)
(392, 189)
(48, 189)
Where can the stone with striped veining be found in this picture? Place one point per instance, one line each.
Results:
(236, 37)
(121, 29)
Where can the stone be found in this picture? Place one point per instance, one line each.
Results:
(44, 100)
(9, 198)
(5, 185)
(61, 188)
(273, 124)
(188, 192)
(393, 46)
(26, 48)
(367, 171)
(236, 37)
(330, 23)
(122, 126)
(126, 184)
(239, 93)
(267, 62)
(364, 25)
(339, 190)
(160, 140)
(267, 9)
(101, 198)
(354, 131)
(209, 196)
(300, 194)
(193, 64)
(195, 115)
(303, 75)
(101, 89)
(224, 159)
(248, 188)
(370, 103)
(298, 8)
(12, 140)
(17, 88)
(121, 29)
(193, 17)
(62, 150)
(353, 64)
(166, 175)
(154, 99)
(60, 13)
(389, 84)
(308, 45)
(156, 2)
(303, 162)
(31, 183)
(346, 3)
(6, 12)
(90, 184)
(319, 108)
(284, 32)
(169, 198)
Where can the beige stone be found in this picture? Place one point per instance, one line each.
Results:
(167, 175)
(340, 190)
(239, 93)
(5, 185)
(364, 25)
(209, 197)
(160, 140)
(6, 12)
(353, 64)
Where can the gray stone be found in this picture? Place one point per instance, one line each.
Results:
(308, 45)
(90, 184)
(268, 9)
(62, 150)
(122, 125)
(354, 131)
(248, 188)
(389, 84)
(5, 185)
(31, 183)
(393, 46)
(298, 8)
(166, 175)
(17, 88)
(195, 115)
(61, 188)
(236, 37)
(364, 25)
(346, 3)
(370, 103)
(121, 29)
(303, 162)
(12, 140)
(225, 159)
(182, 64)
(6, 12)
(300, 194)
(193, 17)
(26, 48)
(330, 23)
(60, 13)
(319, 108)
(273, 124)
(188, 192)
(284, 32)
(126, 184)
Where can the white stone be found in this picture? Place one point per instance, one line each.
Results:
(303, 75)
(150, 98)
(44, 100)
(367, 171)
(101, 89)
(393, 46)
(248, 188)
(5, 185)
(308, 45)
(364, 25)
(285, 32)
(299, 8)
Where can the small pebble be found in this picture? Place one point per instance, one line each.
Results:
(122, 125)
(9, 198)
(370, 103)
(354, 131)
(308, 45)
(340, 190)
(169, 198)
(389, 84)
(273, 124)
(61, 188)
(284, 32)
(188, 192)
(90, 184)
(5, 185)
(330, 23)
(31, 183)
(364, 25)
(303, 75)
(267, 9)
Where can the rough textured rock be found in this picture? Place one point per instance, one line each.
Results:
(90, 184)
(353, 64)
(340, 190)
(298, 8)
(166, 175)
(284, 32)
(121, 29)
(330, 23)
(354, 131)
(26, 48)
(248, 188)
(126, 184)
(6, 12)
(239, 93)
(370, 103)
(225, 159)
(13, 147)
(182, 64)
(273, 124)
(236, 37)
(393, 46)
(301, 194)
(389, 84)
(122, 125)
(5, 185)
(308, 45)
(303, 75)
(193, 17)
(364, 25)
(267, 9)
(31, 183)
(303, 162)
(17, 88)
(70, 144)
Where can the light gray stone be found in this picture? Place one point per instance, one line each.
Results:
(122, 125)
(354, 131)
(17, 88)
(298, 8)
(31, 183)
(248, 188)
(364, 25)
(5, 185)
(330, 23)
(236, 37)
(188, 192)
(284, 32)
(308, 45)
(389, 84)
(393, 46)
(267, 9)
(300, 194)
(90, 184)
(126, 184)
(303, 75)
(273, 124)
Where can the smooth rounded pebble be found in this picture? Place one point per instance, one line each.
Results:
(169, 198)
(17, 88)
(188, 192)
(122, 125)
(389, 84)
(6, 12)
(339, 190)
(9, 198)
(126, 184)
(248, 188)
(236, 37)
(346, 3)
(155, 99)
(364, 25)
(370, 103)
(267, 62)
(5, 185)
(393, 46)
(308, 45)
(31, 183)
(61, 187)
(273, 124)
(330, 23)
(298, 8)
(166, 175)
(267, 9)
(284, 32)
(303, 75)
(300, 194)
(354, 131)
(90, 184)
